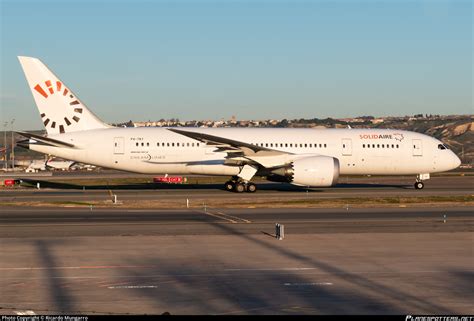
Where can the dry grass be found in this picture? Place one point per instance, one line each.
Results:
(266, 203)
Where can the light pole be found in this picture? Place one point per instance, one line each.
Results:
(5, 143)
(12, 153)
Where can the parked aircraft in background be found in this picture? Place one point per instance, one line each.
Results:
(300, 156)
(80, 166)
(36, 166)
(62, 165)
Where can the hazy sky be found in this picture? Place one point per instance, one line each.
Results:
(144, 60)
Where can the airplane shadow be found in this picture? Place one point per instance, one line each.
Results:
(279, 187)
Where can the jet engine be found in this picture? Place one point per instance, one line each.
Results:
(315, 171)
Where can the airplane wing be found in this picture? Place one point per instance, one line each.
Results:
(226, 144)
(237, 150)
(46, 140)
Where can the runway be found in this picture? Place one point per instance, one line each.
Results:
(66, 222)
(223, 261)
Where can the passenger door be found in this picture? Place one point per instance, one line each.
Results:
(346, 147)
(417, 147)
(118, 145)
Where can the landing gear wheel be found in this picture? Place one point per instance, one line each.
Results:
(419, 185)
(229, 186)
(239, 188)
(251, 188)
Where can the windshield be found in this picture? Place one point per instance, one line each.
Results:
(442, 146)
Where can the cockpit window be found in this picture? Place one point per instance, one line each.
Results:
(442, 146)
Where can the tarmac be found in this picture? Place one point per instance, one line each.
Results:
(347, 188)
(91, 260)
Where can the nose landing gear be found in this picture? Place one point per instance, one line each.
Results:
(419, 185)
(419, 180)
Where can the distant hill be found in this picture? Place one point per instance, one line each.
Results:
(457, 134)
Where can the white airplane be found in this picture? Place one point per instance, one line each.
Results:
(300, 156)
(62, 165)
(36, 165)
(80, 166)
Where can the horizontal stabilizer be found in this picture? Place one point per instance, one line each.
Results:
(46, 140)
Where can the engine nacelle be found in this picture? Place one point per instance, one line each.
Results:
(316, 171)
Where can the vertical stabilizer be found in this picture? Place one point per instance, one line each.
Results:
(60, 109)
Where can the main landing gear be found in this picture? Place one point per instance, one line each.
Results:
(238, 186)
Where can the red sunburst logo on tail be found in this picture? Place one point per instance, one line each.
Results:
(58, 88)
(50, 88)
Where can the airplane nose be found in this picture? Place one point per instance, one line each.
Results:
(456, 161)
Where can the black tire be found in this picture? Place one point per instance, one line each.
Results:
(251, 188)
(239, 188)
(229, 186)
(419, 185)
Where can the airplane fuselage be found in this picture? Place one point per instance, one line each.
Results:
(153, 150)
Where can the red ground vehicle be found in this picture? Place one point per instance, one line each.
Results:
(10, 182)
(169, 179)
